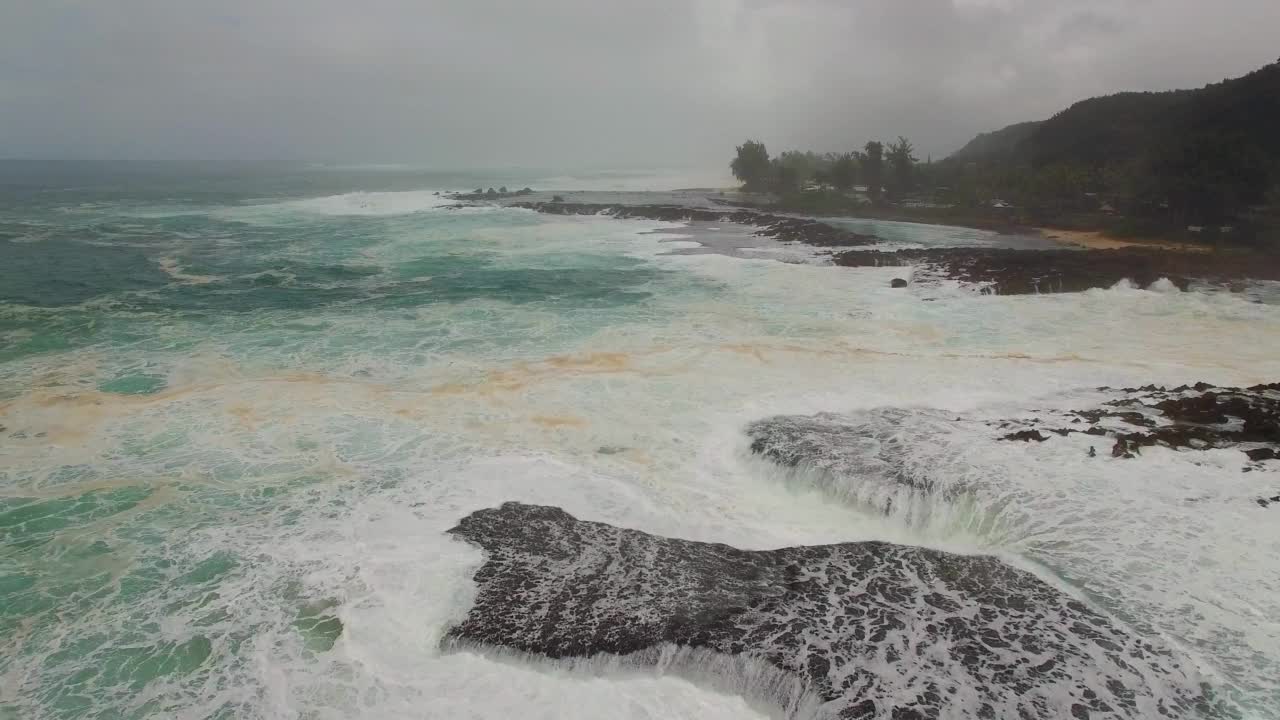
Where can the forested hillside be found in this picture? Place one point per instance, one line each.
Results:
(1206, 156)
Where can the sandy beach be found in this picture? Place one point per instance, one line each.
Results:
(1097, 240)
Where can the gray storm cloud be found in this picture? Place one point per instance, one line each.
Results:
(580, 82)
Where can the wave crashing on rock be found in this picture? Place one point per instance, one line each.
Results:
(850, 630)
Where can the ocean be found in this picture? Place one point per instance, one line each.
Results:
(240, 408)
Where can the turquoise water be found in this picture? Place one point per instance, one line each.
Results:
(238, 411)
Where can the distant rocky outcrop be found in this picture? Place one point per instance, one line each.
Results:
(865, 457)
(1007, 271)
(850, 630)
(1198, 417)
(490, 194)
(781, 227)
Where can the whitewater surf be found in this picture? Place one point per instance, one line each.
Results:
(238, 426)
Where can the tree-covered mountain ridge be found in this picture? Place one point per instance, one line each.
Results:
(1205, 155)
(1123, 125)
(1196, 165)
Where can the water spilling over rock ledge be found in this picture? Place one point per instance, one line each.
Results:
(851, 630)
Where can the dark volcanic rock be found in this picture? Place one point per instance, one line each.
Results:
(878, 459)
(853, 630)
(1019, 272)
(1198, 417)
(480, 194)
(781, 227)
(1256, 454)
(1122, 449)
(1027, 436)
(871, 446)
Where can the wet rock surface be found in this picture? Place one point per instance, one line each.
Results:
(1020, 272)
(1027, 436)
(883, 460)
(1005, 271)
(1196, 417)
(780, 227)
(870, 447)
(490, 194)
(850, 630)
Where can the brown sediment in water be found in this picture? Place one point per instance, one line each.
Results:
(637, 456)
(559, 421)
(754, 351)
(63, 415)
(244, 415)
(75, 396)
(592, 362)
(521, 374)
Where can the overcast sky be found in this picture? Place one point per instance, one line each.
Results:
(603, 83)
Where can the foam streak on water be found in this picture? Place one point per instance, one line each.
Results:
(233, 437)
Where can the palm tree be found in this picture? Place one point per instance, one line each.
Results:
(751, 166)
(844, 171)
(901, 163)
(873, 167)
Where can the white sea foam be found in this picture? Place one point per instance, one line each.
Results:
(327, 454)
(354, 204)
(370, 203)
(169, 266)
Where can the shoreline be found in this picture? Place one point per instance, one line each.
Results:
(996, 225)
(1032, 272)
(805, 230)
(1099, 240)
(1075, 239)
(1087, 259)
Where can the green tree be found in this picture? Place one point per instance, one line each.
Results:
(1132, 187)
(1056, 189)
(1211, 177)
(785, 178)
(901, 165)
(873, 168)
(801, 166)
(752, 166)
(844, 172)
(1266, 219)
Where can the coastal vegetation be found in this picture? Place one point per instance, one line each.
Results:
(1198, 164)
